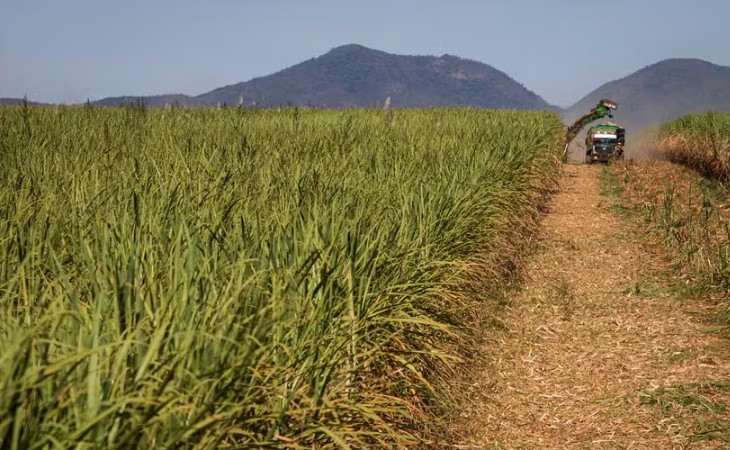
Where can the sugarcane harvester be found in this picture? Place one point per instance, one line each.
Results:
(604, 108)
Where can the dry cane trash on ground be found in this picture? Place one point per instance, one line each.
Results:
(598, 350)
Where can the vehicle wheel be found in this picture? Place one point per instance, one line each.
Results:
(589, 160)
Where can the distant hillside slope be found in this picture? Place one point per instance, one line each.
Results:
(662, 91)
(353, 75)
(154, 100)
(16, 101)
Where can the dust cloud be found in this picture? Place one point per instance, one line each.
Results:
(641, 145)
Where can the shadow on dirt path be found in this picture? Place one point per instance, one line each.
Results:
(599, 349)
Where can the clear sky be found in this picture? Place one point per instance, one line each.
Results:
(71, 50)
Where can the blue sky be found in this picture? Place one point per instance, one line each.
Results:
(71, 50)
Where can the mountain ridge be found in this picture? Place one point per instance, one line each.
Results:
(662, 91)
(356, 76)
(352, 75)
(11, 101)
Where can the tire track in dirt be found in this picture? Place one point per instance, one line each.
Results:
(592, 333)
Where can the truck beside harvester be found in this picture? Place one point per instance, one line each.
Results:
(605, 142)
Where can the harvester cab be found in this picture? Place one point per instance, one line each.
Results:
(609, 104)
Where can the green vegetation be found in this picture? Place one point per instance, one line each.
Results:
(697, 409)
(712, 125)
(688, 208)
(250, 278)
(612, 188)
(700, 141)
(697, 221)
(688, 215)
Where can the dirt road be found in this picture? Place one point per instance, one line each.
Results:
(599, 349)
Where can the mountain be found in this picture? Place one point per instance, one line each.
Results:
(353, 75)
(356, 76)
(662, 91)
(154, 100)
(17, 101)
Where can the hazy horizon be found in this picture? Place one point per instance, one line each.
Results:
(77, 50)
